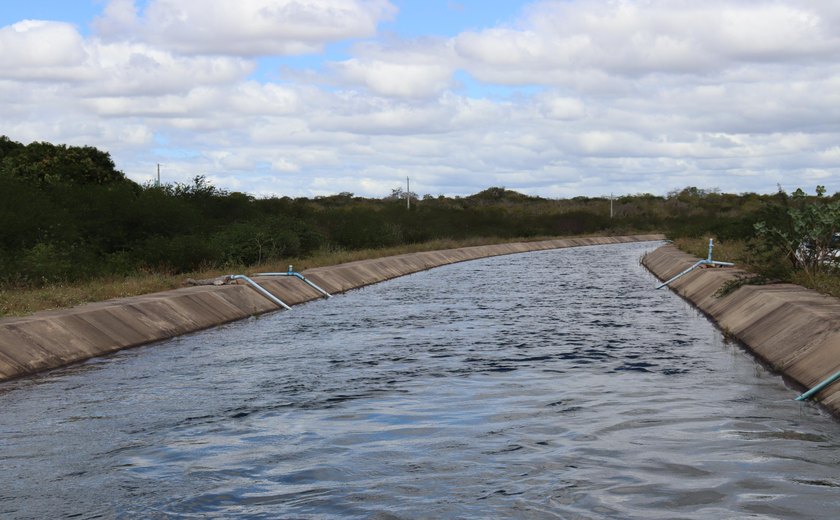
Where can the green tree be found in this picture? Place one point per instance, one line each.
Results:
(809, 241)
(46, 164)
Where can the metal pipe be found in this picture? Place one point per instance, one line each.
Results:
(707, 261)
(693, 267)
(298, 275)
(260, 289)
(810, 393)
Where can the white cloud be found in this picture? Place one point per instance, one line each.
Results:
(253, 98)
(405, 78)
(245, 27)
(56, 52)
(563, 107)
(618, 96)
(41, 50)
(772, 32)
(133, 69)
(624, 38)
(418, 68)
(358, 114)
(119, 19)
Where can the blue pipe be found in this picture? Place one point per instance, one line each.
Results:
(290, 272)
(693, 267)
(277, 301)
(707, 261)
(810, 393)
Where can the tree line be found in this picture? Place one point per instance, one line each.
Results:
(68, 214)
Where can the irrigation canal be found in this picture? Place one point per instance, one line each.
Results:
(554, 384)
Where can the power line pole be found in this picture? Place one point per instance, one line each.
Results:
(611, 205)
(407, 194)
(158, 177)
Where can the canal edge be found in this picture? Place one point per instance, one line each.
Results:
(53, 339)
(793, 330)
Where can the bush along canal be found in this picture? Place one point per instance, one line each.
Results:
(551, 384)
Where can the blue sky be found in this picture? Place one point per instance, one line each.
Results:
(78, 12)
(417, 18)
(448, 18)
(556, 98)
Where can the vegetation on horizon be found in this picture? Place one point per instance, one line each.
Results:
(70, 217)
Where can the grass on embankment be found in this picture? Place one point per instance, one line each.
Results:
(729, 251)
(26, 300)
(736, 251)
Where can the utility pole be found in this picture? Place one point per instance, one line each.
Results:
(158, 177)
(407, 194)
(611, 205)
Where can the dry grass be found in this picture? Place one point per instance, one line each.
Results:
(734, 251)
(825, 283)
(24, 301)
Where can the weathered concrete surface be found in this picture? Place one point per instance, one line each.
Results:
(794, 330)
(56, 338)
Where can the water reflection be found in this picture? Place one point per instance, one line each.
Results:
(554, 384)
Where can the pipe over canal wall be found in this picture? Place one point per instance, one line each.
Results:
(796, 331)
(52, 339)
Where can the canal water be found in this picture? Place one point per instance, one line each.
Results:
(555, 384)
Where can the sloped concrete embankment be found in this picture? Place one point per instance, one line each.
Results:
(796, 331)
(57, 338)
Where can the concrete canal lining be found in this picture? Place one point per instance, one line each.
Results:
(52, 339)
(796, 331)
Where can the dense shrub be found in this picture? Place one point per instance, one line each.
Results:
(68, 214)
(251, 242)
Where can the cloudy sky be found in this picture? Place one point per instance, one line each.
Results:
(551, 98)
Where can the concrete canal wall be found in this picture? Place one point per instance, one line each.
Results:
(57, 338)
(794, 330)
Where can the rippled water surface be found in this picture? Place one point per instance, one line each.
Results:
(556, 384)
